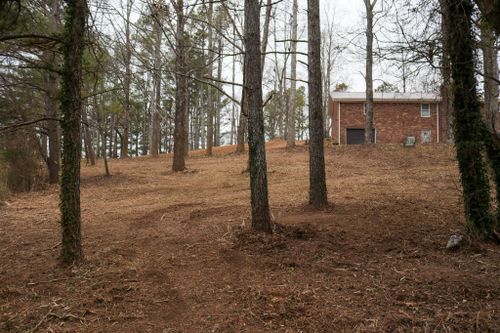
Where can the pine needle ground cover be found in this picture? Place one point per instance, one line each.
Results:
(171, 252)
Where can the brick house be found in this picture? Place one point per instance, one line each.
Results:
(396, 116)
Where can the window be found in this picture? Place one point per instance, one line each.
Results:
(425, 110)
(364, 109)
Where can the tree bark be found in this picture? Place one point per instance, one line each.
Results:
(490, 65)
(240, 139)
(155, 133)
(101, 128)
(210, 101)
(491, 11)
(220, 48)
(261, 219)
(292, 109)
(53, 158)
(233, 90)
(180, 132)
(369, 139)
(265, 33)
(446, 89)
(71, 108)
(468, 124)
(127, 81)
(242, 126)
(51, 91)
(317, 179)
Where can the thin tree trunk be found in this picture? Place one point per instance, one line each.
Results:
(71, 108)
(52, 111)
(87, 138)
(369, 139)
(292, 110)
(446, 89)
(155, 133)
(317, 179)
(265, 34)
(219, 95)
(240, 146)
(261, 219)
(101, 128)
(210, 102)
(127, 80)
(180, 135)
(233, 87)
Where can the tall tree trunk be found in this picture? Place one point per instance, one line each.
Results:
(210, 101)
(180, 132)
(491, 86)
(242, 126)
(155, 133)
(369, 5)
(490, 65)
(446, 89)
(220, 48)
(71, 108)
(240, 144)
(317, 179)
(51, 91)
(233, 90)
(265, 33)
(292, 110)
(468, 123)
(127, 81)
(101, 128)
(261, 219)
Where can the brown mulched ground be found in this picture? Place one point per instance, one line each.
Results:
(171, 252)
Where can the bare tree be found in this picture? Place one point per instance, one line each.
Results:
(156, 118)
(210, 100)
(369, 5)
(261, 219)
(126, 82)
(292, 110)
(317, 179)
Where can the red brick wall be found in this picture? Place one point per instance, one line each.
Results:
(393, 121)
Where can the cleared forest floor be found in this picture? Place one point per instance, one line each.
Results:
(170, 252)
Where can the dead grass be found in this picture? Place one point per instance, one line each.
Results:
(168, 252)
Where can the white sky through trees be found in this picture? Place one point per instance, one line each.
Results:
(348, 19)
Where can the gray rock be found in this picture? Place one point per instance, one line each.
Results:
(454, 242)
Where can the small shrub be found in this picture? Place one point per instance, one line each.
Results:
(22, 167)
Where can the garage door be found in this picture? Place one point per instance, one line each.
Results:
(356, 136)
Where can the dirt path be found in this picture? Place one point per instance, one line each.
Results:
(169, 252)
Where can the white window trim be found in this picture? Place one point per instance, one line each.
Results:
(422, 109)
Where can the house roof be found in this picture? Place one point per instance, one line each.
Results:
(385, 97)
